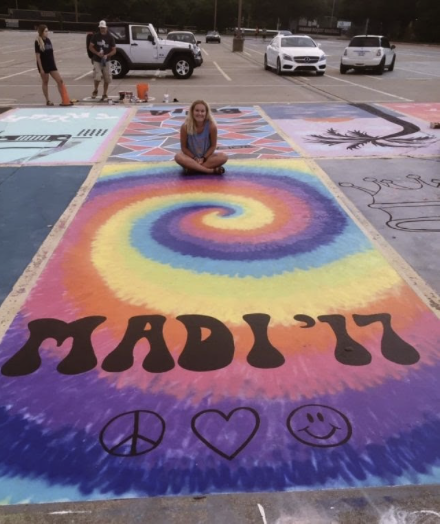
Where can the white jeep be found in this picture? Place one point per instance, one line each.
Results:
(138, 47)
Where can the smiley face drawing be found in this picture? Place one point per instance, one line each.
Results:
(319, 426)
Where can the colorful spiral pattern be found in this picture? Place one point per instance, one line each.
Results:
(267, 238)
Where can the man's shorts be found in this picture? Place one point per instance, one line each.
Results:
(100, 70)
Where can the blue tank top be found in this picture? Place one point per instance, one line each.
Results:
(199, 143)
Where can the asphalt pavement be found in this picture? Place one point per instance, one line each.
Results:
(339, 177)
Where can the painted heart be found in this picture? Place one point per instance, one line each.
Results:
(227, 435)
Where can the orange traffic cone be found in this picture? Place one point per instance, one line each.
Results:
(65, 97)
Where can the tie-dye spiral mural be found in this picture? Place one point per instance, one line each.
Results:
(216, 334)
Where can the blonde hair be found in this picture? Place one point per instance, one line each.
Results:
(40, 30)
(189, 120)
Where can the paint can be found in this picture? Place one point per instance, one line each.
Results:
(142, 91)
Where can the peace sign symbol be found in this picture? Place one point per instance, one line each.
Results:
(132, 433)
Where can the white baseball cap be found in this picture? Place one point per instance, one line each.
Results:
(102, 23)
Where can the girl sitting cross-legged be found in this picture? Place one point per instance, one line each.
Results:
(198, 141)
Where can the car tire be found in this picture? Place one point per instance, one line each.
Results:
(392, 65)
(118, 66)
(278, 67)
(320, 73)
(343, 69)
(183, 67)
(266, 66)
(380, 69)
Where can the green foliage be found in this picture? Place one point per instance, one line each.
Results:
(426, 26)
(392, 17)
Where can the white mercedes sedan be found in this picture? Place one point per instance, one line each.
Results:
(294, 53)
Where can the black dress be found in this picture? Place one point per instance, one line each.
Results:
(46, 56)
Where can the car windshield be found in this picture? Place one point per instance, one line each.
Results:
(212, 33)
(294, 41)
(365, 41)
(182, 37)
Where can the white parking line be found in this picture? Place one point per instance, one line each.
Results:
(7, 61)
(248, 54)
(16, 74)
(16, 51)
(374, 77)
(370, 88)
(224, 74)
(202, 49)
(254, 51)
(419, 72)
(83, 76)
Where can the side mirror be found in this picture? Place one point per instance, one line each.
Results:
(392, 47)
(198, 42)
(151, 38)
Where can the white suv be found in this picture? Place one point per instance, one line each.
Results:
(368, 52)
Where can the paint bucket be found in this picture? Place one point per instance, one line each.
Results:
(128, 96)
(142, 91)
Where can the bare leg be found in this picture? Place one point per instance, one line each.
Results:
(96, 86)
(105, 88)
(189, 163)
(45, 80)
(59, 81)
(216, 160)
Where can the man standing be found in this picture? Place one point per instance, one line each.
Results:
(102, 46)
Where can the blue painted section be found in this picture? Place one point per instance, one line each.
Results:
(43, 193)
(57, 135)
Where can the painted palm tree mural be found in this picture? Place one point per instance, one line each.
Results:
(357, 139)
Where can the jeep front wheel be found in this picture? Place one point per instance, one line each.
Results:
(183, 67)
(118, 66)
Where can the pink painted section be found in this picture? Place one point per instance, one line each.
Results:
(427, 112)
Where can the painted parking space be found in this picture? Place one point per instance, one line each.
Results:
(237, 334)
(283, 352)
(354, 130)
(57, 135)
(31, 201)
(427, 112)
(153, 135)
(401, 199)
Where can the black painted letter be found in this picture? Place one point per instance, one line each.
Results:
(80, 359)
(158, 359)
(263, 354)
(215, 352)
(393, 347)
(347, 351)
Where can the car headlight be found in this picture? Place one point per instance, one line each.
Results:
(287, 57)
(322, 57)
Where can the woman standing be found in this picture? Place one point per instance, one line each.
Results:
(44, 55)
(198, 141)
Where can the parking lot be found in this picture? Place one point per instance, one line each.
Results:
(327, 218)
(225, 77)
